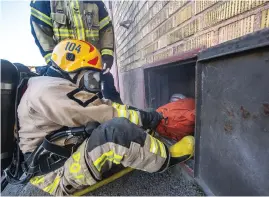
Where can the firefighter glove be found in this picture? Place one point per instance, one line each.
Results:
(150, 120)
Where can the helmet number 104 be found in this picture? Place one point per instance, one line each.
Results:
(71, 46)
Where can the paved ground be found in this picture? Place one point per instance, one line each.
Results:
(137, 183)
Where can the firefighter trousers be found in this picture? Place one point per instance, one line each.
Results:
(115, 142)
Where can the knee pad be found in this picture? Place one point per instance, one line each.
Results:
(119, 131)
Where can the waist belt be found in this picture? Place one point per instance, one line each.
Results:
(48, 156)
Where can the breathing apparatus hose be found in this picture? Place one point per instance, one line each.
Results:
(30, 166)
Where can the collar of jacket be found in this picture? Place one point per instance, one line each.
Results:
(53, 72)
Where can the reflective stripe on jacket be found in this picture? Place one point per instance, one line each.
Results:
(53, 21)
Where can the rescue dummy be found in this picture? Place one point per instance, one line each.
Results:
(74, 100)
(178, 118)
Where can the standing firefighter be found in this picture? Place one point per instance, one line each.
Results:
(54, 21)
(72, 100)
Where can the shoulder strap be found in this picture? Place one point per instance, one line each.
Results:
(19, 93)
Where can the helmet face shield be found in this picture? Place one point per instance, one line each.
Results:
(92, 81)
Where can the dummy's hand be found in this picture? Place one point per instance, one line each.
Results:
(150, 120)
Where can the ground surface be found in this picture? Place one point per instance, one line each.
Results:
(136, 183)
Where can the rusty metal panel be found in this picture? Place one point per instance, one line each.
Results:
(232, 117)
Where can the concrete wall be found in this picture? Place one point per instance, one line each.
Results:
(162, 29)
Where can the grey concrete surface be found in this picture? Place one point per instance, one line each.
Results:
(137, 183)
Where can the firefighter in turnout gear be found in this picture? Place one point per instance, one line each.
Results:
(73, 99)
(54, 21)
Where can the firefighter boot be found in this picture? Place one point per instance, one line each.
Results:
(182, 150)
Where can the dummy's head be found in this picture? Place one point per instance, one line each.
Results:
(79, 62)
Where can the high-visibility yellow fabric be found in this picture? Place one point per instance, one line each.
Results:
(104, 22)
(78, 20)
(51, 187)
(184, 147)
(119, 106)
(37, 180)
(47, 57)
(41, 16)
(157, 147)
(92, 33)
(107, 52)
(111, 156)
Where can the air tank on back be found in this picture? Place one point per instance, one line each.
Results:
(9, 82)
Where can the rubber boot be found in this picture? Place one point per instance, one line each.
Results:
(182, 150)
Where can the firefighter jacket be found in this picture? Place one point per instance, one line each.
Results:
(50, 103)
(53, 21)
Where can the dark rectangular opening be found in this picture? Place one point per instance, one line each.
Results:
(166, 80)
(162, 82)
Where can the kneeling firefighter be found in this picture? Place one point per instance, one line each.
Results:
(115, 134)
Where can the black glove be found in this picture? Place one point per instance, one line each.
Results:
(107, 61)
(150, 120)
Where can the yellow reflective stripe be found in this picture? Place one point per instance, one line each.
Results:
(112, 159)
(51, 187)
(92, 35)
(63, 35)
(134, 117)
(115, 105)
(93, 30)
(37, 179)
(107, 52)
(153, 145)
(75, 18)
(75, 168)
(41, 16)
(110, 155)
(119, 106)
(104, 22)
(81, 176)
(122, 113)
(78, 21)
(47, 57)
(162, 149)
(123, 107)
(76, 156)
(61, 30)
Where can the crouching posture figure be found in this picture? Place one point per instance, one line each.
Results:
(73, 99)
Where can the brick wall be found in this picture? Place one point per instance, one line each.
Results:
(161, 29)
